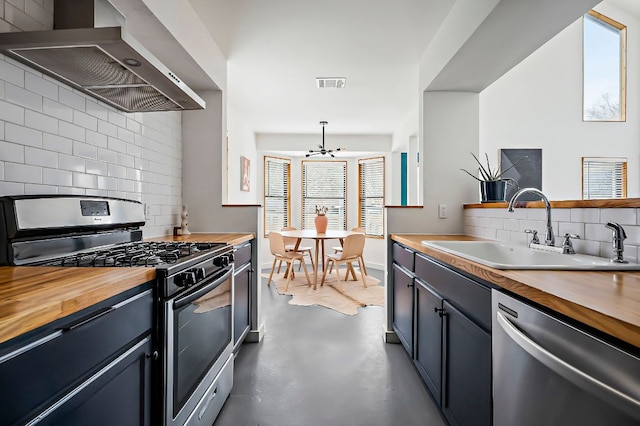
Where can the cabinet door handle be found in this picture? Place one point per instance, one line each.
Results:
(445, 358)
(410, 284)
(88, 319)
(441, 312)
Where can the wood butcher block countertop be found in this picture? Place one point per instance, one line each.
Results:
(32, 296)
(608, 301)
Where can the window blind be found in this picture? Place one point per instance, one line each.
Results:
(371, 195)
(324, 183)
(604, 178)
(277, 173)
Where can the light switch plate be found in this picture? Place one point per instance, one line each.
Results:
(442, 211)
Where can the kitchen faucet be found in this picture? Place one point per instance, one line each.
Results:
(618, 241)
(549, 238)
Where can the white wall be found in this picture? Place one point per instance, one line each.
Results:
(242, 143)
(538, 104)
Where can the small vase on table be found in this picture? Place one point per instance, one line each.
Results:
(321, 223)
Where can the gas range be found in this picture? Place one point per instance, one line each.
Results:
(81, 231)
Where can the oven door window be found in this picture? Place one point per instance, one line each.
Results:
(202, 328)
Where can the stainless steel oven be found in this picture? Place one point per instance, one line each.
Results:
(198, 361)
(193, 288)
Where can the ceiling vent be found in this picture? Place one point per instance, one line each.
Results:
(330, 82)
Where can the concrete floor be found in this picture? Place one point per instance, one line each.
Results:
(316, 366)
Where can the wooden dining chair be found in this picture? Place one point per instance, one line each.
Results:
(280, 254)
(351, 252)
(290, 245)
(338, 249)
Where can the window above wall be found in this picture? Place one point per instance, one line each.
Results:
(604, 177)
(371, 196)
(277, 187)
(324, 183)
(604, 68)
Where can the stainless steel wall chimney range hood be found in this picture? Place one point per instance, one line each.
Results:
(90, 50)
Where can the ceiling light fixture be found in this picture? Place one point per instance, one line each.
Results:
(330, 82)
(323, 150)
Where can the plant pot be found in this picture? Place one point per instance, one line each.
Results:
(321, 223)
(493, 191)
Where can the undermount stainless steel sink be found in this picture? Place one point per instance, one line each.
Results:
(499, 255)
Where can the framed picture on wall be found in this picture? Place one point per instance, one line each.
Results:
(527, 172)
(245, 168)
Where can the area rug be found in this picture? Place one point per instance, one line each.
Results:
(347, 301)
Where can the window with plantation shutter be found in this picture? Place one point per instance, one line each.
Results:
(277, 173)
(324, 183)
(604, 178)
(371, 195)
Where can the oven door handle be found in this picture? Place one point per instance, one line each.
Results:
(215, 281)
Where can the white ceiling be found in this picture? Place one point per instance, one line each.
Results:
(277, 48)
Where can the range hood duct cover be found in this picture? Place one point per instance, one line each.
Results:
(90, 50)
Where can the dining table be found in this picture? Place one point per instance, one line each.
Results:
(320, 238)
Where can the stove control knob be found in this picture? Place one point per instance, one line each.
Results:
(201, 273)
(185, 279)
(221, 261)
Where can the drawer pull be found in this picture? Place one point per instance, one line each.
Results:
(88, 319)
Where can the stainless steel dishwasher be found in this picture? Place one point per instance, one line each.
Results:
(547, 372)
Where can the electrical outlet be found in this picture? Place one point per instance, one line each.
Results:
(442, 211)
(147, 211)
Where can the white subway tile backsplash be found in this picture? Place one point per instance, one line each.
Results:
(12, 74)
(71, 190)
(40, 157)
(97, 192)
(586, 247)
(57, 110)
(1, 170)
(134, 174)
(71, 99)
(40, 121)
(36, 189)
(84, 150)
(126, 185)
(15, 172)
(596, 232)
(57, 143)
(57, 177)
(126, 135)
(39, 13)
(85, 120)
(497, 223)
(621, 216)
(68, 162)
(40, 86)
(20, 19)
(95, 138)
(117, 119)
(107, 156)
(134, 150)
(97, 110)
(24, 98)
(71, 131)
(571, 228)
(23, 135)
(134, 126)
(633, 234)
(11, 152)
(11, 113)
(585, 215)
(13, 188)
(17, 3)
(125, 160)
(116, 144)
(511, 224)
(107, 183)
(84, 180)
(115, 170)
(96, 168)
(561, 215)
(107, 128)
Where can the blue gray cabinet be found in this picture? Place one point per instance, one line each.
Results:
(242, 278)
(444, 322)
(92, 365)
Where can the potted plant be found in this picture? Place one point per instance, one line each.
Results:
(493, 186)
